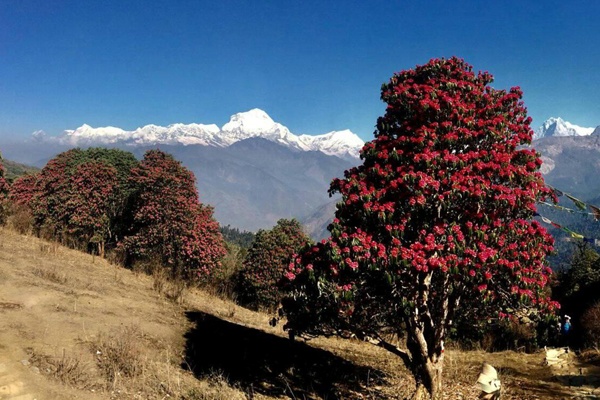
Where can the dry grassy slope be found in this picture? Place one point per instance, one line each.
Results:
(75, 327)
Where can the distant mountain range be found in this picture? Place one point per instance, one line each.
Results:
(255, 182)
(254, 171)
(241, 126)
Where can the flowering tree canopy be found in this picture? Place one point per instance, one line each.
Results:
(169, 222)
(439, 214)
(266, 262)
(23, 189)
(3, 191)
(80, 196)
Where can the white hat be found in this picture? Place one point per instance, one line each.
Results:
(488, 379)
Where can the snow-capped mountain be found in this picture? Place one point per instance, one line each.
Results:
(241, 126)
(559, 127)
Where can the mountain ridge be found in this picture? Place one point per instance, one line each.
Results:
(241, 126)
(557, 127)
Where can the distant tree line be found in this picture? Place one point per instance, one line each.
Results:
(234, 235)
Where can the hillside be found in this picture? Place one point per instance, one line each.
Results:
(76, 327)
(14, 169)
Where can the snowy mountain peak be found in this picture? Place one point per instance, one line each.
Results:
(558, 127)
(244, 125)
(253, 120)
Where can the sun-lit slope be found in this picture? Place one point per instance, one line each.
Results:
(73, 326)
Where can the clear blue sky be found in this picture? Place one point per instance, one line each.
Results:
(314, 66)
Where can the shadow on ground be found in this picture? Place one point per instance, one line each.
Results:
(260, 362)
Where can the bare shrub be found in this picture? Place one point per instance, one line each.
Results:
(115, 256)
(215, 387)
(221, 281)
(71, 371)
(514, 334)
(21, 219)
(51, 274)
(118, 355)
(176, 290)
(160, 279)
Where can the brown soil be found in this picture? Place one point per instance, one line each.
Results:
(73, 326)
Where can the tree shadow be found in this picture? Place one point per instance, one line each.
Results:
(259, 362)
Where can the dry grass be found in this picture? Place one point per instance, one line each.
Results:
(69, 370)
(174, 290)
(97, 331)
(119, 354)
(51, 274)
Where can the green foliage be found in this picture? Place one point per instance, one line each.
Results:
(577, 290)
(267, 260)
(234, 235)
(584, 271)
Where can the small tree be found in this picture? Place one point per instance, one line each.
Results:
(436, 221)
(266, 262)
(169, 222)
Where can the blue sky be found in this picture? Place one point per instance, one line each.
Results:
(314, 66)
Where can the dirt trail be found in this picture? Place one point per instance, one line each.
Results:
(12, 379)
(581, 379)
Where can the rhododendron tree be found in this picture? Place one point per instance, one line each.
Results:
(80, 196)
(267, 260)
(23, 189)
(3, 192)
(436, 221)
(169, 222)
(94, 191)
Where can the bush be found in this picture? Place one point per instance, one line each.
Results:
(590, 324)
(267, 260)
(20, 219)
(222, 280)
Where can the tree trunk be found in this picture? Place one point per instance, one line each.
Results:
(427, 362)
(429, 380)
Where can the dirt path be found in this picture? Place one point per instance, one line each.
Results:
(581, 378)
(12, 385)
